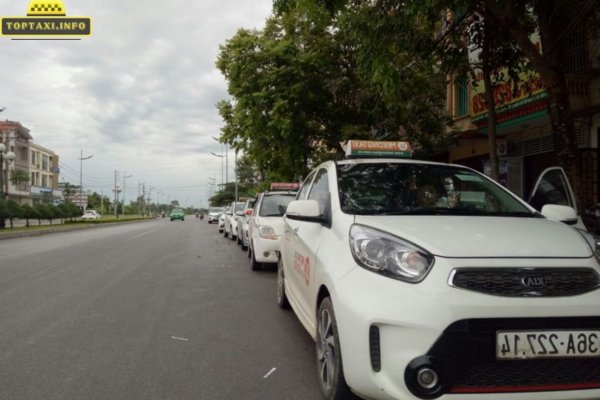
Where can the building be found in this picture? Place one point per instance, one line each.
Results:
(37, 163)
(524, 134)
(44, 174)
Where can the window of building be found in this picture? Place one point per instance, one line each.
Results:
(462, 97)
(45, 181)
(45, 163)
(33, 158)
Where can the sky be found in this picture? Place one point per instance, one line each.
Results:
(139, 95)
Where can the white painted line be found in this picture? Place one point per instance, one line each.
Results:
(269, 373)
(180, 338)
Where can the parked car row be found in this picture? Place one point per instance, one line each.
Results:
(424, 280)
(257, 224)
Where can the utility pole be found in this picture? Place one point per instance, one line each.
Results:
(116, 190)
(138, 197)
(124, 177)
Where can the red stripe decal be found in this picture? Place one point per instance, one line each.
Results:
(538, 388)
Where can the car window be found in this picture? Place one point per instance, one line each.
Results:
(274, 205)
(303, 193)
(403, 188)
(320, 190)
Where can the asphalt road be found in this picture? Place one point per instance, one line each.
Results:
(150, 310)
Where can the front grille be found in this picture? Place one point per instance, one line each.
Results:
(465, 354)
(523, 282)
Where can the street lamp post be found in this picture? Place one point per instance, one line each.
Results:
(221, 157)
(236, 176)
(81, 158)
(5, 158)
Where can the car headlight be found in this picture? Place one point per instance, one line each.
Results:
(267, 232)
(388, 255)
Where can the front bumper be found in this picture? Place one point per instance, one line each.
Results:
(266, 250)
(388, 324)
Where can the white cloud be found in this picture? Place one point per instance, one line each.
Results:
(139, 94)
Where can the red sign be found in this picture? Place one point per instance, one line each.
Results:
(284, 186)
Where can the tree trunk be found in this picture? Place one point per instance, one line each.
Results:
(491, 103)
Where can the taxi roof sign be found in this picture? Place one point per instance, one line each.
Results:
(284, 186)
(372, 148)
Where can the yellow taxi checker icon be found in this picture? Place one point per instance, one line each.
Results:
(46, 8)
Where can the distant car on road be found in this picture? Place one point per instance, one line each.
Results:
(90, 215)
(177, 213)
(214, 213)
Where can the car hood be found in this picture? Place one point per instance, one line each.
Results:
(498, 237)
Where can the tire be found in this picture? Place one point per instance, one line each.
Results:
(238, 241)
(254, 265)
(329, 356)
(232, 236)
(282, 300)
(224, 232)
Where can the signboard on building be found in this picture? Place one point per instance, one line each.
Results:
(79, 200)
(513, 100)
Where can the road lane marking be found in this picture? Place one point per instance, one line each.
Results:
(180, 338)
(269, 373)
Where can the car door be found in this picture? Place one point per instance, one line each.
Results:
(553, 187)
(304, 246)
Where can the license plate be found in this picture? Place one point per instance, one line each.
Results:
(547, 344)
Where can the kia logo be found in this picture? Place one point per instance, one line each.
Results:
(533, 281)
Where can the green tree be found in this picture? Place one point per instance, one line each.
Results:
(19, 178)
(29, 213)
(14, 211)
(69, 210)
(4, 213)
(42, 212)
(69, 190)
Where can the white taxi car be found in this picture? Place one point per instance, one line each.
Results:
(221, 220)
(230, 224)
(422, 280)
(214, 213)
(265, 225)
(242, 223)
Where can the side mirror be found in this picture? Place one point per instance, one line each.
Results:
(249, 212)
(305, 210)
(564, 214)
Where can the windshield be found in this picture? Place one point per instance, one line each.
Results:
(421, 189)
(239, 207)
(274, 205)
(216, 210)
